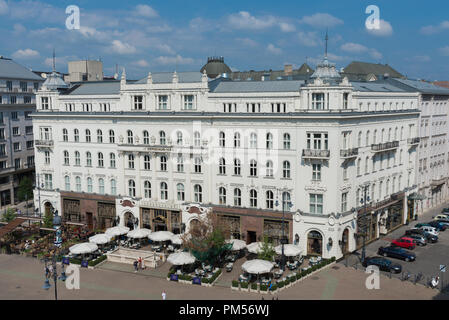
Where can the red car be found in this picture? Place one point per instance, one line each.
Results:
(404, 242)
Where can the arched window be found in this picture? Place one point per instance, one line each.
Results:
(99, 136)
(131, 188)
(237, 140)
(253, 168)
(65, 135)
(222, 196)
(164, 191)
(180, 164)
(366, 165)
(130, 137)
(179, 138)
(382, 137)
(88, 137)
(197, 139)
(270, 199)
(270, 170)
(67, 183)
(286, 171)
(359, 164)
(375, 137)
(389, 135)
(287, 141)
(163, 163)
(253, 198)
(147, 189)
(147, 162)
(101, 186)
(237, 167)
(396, 131)
(180, 192)
(146, 137)
(111, 136)
(162, 139)
(112, 160)
(89, 185)
(130, 161)
(78, 184)
(113, 187)
(222, 139)
(269, 141)
(66, 158)
(76, 135)
(359, 139)
(286, 201)
(100, 160)
(77, 158)
(198, 193)
(367, 138)
(253, 141)
(88, 159)
(402, 133)
(237, 197)
(222, 166)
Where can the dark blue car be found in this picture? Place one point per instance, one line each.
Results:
(396, 252)
(383, 264)
(437, 225)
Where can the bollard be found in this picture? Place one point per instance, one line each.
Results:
(390, 274)
(346, 262)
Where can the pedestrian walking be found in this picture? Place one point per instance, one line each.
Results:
(135, 265)
(47, 272)
(164, 295)
(143, 264)
(50, 270)
(140, 262)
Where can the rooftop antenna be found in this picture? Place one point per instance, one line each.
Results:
(54, 60)
(326, 39)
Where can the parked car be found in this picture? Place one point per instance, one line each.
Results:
(419, 239)
(445, 210)
(419, 225)
(396, 252)
(430, 238)
(441, 217)
(404, 242)
(444, 222)
(437, 225)
(430, 230)
(383, 264)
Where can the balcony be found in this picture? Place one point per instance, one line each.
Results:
(387, 146)
(413, 141)
(438, 182)
(349, 153)
(315, 154)
(43, 143)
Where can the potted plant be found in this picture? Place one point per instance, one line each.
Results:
(235, 285)
(254, 287)
(263, 288)
(244, 286)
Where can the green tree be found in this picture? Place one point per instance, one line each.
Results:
(9, 215)
(48, 219)
(25, 190)
(267, 252)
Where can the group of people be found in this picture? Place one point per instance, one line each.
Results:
(139, 264)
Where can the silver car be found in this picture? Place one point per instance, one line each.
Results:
(420, 240)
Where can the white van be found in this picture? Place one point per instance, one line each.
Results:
(433, 231)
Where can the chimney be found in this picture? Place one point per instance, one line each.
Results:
(288, 70)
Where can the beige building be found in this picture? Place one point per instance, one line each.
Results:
(85, 70)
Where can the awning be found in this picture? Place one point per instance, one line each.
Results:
(417, 196)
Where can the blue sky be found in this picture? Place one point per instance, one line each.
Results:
(145, 36)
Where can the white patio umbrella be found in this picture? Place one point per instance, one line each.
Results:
(255, 247)
(290, 250)
(117, 231)
(176, 239)
(257, 266)
(160, 236)
(101, 238)
(138, 233)
(181, 258)
(82, 248)
(237, 244)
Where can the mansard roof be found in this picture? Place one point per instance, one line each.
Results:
(12, 70)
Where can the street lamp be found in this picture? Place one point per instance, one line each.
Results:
(285, 202)
(364, 201)
(62, 277)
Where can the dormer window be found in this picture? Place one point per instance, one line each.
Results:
(138, 102)
(318, 101)
(188, 102)
(163, 102)
(345, 100)
(45, 104)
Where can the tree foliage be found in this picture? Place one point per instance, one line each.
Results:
(25, 190)
(9, 215)
(206, 239)
(267, 252)
(48, 219)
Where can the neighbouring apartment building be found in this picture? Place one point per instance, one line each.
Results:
(18, 87)
(269, 158)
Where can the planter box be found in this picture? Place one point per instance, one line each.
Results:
(254, 291)
(235, 288)
(263, 292)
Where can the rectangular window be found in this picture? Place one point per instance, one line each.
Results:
(163, 102)
(30, 144)
(138, 102)
(17, 163)
(2, 149)
(13, 100)
(2, 134)
(14, 115)
(48, 181)
(47, 157)
(344, 202)
(30, 161)
(23, 86)
(317, 101)
(27, 115)
(45, 104)
(345, 100)
(188, 102)
(29, 130)
(27, 99)
(316, 172)
(1, 117)
(316, 203)
(9, 85)
(16, 146)
(15, 131)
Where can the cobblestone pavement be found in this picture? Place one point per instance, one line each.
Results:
(22, 278)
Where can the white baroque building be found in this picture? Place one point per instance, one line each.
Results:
(268, 157)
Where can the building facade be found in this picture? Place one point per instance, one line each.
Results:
(18, 87)
(282, 159)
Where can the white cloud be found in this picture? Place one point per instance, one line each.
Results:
(122, 47)
(308, 39)
(445, 51)
(3, 7)
(18, 28)
(361, 49)
(385, 29)
(141, 63)
(247, 42)
(164, 60)
(444, 25)
(419, 58)
(287, 27)
(165, 48)
(272, 49)
(146, 11)
(25, 54)
(244, 20)
(320, 20)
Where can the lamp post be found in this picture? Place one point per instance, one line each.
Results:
(289, 204)
(364, 201)
(62, 277)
